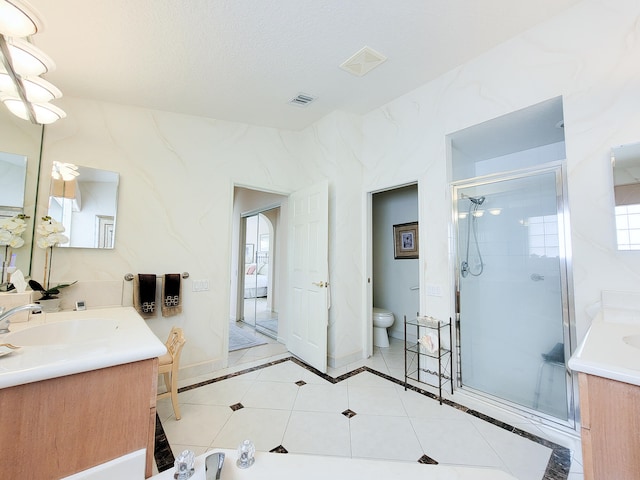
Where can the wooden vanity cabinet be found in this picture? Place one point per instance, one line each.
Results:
(54, 428)
(610, 413)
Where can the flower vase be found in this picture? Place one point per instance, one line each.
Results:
(49, 305)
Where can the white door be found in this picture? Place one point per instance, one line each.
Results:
(308, 274)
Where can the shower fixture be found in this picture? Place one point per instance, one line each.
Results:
(472, 219)
(476, 200)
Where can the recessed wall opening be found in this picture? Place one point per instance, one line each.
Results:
(513, 327)
(395, 281)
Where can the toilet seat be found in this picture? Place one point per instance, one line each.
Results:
(382, 318)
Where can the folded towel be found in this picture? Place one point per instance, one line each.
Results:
(430, 342)
(144, 294)
(171, 294)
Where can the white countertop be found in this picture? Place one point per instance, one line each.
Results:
(315, 467)
(604, 353)
(130, 341)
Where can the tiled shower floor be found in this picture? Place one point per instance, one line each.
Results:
(361, 410)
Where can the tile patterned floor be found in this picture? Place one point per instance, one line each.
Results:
(361, 410)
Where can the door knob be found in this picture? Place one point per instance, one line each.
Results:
(319, 284)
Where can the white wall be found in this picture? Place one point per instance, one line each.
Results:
(177, 174)
(589, 55)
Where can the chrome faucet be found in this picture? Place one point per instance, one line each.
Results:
(213, 465)
(4, 316)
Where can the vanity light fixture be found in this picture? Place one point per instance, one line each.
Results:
(36, 89)
(27, 59)
(24, 93)
(64, 171)
(42, 113)
(18, 19)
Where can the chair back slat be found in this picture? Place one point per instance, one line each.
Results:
(175, 341)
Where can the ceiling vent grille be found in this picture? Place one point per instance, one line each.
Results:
(363, 61)
(302, 99)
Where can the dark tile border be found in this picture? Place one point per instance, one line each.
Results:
(557, 468)
(162, 452)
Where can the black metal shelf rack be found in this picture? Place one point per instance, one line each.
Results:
(421, 363)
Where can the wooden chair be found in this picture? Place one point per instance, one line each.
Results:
(168, 365)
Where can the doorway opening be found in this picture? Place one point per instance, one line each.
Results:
(259, 308)
(395, 278)
(257, 258)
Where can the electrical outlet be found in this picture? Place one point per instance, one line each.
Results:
(434, 290)
(200, 285)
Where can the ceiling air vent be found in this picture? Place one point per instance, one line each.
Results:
(363, 61)
(302, 99)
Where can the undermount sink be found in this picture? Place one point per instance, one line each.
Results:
(632, 340)
(64, 333)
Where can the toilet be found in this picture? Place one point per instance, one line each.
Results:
(382, 319)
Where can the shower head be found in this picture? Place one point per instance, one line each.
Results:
(476, 200)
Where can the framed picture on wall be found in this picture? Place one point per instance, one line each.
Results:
(405, 240)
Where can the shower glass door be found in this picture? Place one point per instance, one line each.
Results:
(512, 291)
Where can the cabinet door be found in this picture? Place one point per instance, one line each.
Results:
(612, 443)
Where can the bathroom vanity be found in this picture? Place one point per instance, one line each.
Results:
(81, 391)
(608, 366)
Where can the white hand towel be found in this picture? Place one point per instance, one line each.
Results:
(430, 342)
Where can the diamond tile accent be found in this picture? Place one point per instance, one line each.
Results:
(557, 469)
(301, 383)
(349, 413)
(278, 449)
(427, 460)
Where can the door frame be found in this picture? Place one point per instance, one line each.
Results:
(566, 279)
(367, 324)
(236, 244)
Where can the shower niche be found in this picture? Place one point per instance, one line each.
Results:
(508, 200)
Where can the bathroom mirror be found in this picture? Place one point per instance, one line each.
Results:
(20, 143)
(85, 201)
(625, 160)
(13, 176)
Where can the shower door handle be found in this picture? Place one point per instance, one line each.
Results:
(536, 277)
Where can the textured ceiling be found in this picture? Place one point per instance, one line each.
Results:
(243, 60)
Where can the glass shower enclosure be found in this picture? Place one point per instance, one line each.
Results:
(513, 335)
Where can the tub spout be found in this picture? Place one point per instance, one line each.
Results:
(4, 316)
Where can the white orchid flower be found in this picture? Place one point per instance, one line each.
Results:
(58, 238)
(5, 237)
(16, 242)
(43, 242)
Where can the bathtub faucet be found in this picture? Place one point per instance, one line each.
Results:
(4, 316)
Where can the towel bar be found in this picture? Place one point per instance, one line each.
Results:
(129, 276)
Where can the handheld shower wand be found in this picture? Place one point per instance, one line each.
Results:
(465, 269)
